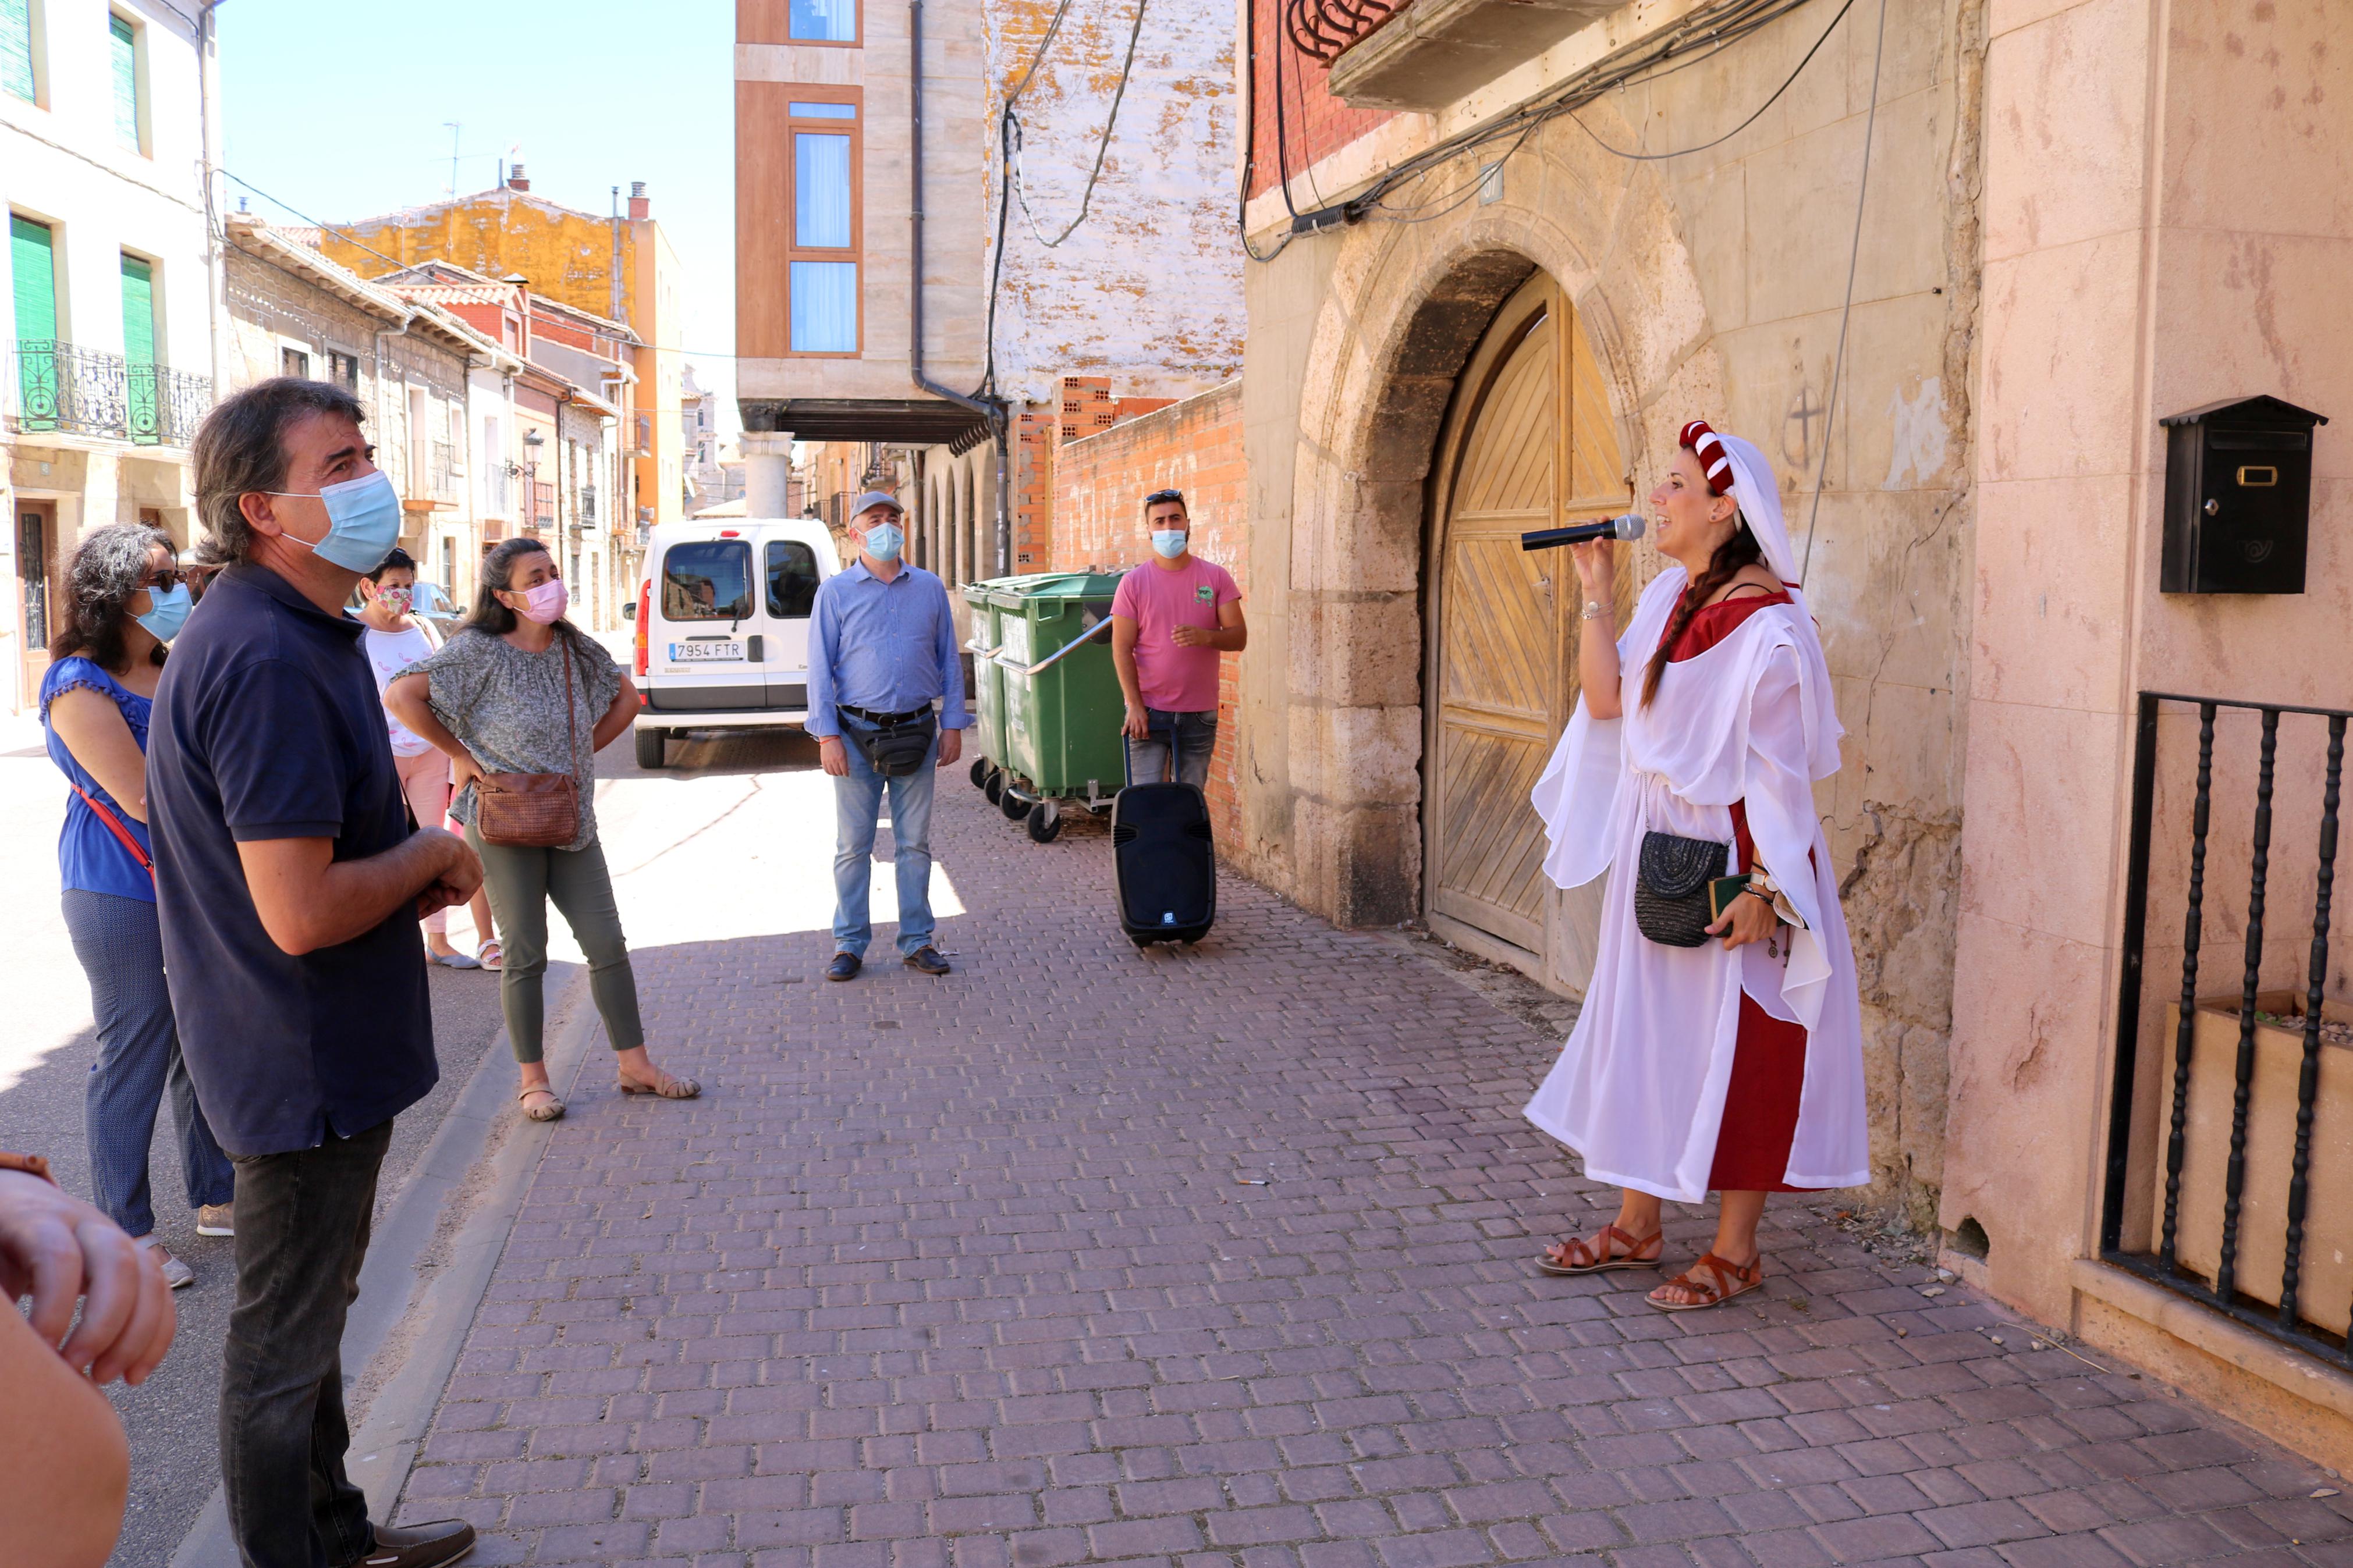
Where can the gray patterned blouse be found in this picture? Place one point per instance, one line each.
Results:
(507, 706)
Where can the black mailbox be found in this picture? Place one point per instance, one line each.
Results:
(2238, 497)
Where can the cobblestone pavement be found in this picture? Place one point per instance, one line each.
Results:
(979, 1273)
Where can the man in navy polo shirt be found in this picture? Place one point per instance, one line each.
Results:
(290, 884)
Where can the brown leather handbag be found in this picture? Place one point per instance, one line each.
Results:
(534, 811)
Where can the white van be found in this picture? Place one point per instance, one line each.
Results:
(723, 625)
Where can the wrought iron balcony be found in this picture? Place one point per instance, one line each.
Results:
(63, 386)
(166, 405)
(542, 504)
(1426, 54)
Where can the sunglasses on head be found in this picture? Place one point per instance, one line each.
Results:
(1157, 497)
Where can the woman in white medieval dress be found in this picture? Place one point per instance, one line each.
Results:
(1735, 1065)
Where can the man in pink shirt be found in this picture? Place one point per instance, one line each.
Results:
(1170, 620)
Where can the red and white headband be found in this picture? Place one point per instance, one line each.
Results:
(1712, 459)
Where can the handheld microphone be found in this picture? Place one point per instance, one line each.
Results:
(1628, 527)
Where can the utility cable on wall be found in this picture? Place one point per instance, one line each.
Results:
(1086, 196)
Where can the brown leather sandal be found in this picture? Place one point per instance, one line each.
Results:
(1577, 1255)
(552, 1111)
(664, 1087)
(1731, 1280)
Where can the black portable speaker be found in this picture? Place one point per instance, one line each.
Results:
(1166, 861)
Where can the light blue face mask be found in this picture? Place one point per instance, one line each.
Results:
(884, 541)
(1169, 541)
(362, 521)
(169, 612)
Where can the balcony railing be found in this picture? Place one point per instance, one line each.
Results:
(2230, 1128)
(166, 405)
(433, 475)
(542, 504)
(87, 392)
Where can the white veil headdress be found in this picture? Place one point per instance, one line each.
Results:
(1757, 493)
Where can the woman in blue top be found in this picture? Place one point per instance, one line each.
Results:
(125, 601)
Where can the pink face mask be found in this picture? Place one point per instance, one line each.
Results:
(546, 602)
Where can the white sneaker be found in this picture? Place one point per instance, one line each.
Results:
(216, 1219)
(176, 1274)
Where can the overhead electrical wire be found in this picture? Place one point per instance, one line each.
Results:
(1707, 31)
(1102, 145)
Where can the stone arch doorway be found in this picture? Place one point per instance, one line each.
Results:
(1528, 442)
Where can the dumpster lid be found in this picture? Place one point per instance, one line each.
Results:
(1087, 586)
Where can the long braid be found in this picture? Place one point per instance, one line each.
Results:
(1739, 550)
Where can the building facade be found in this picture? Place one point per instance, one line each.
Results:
(902, 282)
(428, 380)
(1500, 253)
(109, 289)
(619, 273)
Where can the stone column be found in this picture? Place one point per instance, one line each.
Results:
(767, 472)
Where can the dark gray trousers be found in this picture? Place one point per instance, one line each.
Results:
(302, 1231)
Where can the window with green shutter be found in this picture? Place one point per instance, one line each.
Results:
(138, 345)
(32, 265)
(17, 48)
(124, 53)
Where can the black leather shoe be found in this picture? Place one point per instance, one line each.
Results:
(928, 960)
(418, 1545)
(845, 966)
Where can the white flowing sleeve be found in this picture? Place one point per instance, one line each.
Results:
(1779, 797)
(1578, 797)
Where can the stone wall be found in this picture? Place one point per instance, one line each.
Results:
(1708, 286)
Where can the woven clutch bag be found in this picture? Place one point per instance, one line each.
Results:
(1670, 888)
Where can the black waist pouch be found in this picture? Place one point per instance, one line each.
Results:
(1670, 888)
(894, 751)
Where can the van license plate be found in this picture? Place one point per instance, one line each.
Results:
(690, 652)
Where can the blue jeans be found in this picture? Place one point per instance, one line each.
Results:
(857, 799)
(1196, 737)
(121, 951)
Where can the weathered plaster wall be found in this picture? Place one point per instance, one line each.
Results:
(2167, 223)
(1708, 286)
(1148, 289)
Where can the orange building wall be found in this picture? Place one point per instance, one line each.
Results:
(566, 254)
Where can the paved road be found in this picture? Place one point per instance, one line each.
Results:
(1217, 1257)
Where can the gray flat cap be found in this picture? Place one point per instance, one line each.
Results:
(877, 498)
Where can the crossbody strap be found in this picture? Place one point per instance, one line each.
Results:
(114, 826)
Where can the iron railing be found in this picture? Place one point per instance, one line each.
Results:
(165, 406)
(1322, 29)
(63, 386)
(88, 392)
(542, 502)
(2200, 1165)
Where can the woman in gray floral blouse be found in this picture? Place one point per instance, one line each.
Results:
(493, 699)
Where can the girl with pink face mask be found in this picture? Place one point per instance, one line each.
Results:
(518, 690)
(394, 640)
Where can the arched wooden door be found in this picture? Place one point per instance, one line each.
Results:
(1529, 411)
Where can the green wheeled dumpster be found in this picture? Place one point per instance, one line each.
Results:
(987, 733)
(1062, 707)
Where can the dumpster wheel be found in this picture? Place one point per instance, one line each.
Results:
(993, 786)
(1013, 803)
(980, 771)
(1045, 822)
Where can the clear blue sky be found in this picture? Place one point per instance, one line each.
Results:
(337, 107)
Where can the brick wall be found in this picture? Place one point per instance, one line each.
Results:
(1100, 483)
(1314, 123)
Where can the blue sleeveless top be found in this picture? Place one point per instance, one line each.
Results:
(90, 857)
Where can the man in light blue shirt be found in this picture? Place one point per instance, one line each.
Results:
(882, 649)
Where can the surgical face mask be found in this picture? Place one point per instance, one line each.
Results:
(168, 612)
(362, 521)
(396, 601)
(546, 602)
(884, 541)
(1169, 541)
